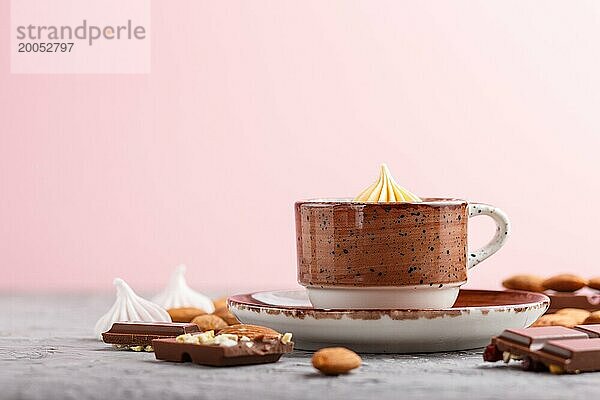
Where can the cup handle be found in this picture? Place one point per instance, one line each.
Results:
(502, 232)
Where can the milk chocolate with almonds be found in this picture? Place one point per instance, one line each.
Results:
(243, 353)
(557, 349)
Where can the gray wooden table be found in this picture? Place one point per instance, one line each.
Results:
(47, 352)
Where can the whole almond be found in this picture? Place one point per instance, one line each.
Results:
(221, 302)
(530, 283)
(594, 283)
(253, 332)
(209, 322)
(226, 315)
(576, 314)
(335, 360)
(565, 283)
(594, 318)
(184, 314)
(555, 320)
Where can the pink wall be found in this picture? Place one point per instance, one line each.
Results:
(252, 105)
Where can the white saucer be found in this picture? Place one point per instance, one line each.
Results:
(476, 316)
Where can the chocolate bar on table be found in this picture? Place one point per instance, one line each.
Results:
(242, 353)
(134, 335)
(554, 348)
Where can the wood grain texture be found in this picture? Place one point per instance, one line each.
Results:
(47, 351)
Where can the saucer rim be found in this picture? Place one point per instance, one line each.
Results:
(537, 299)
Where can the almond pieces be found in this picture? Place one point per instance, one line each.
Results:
(252, 332)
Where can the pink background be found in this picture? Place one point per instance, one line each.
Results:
(253, 105)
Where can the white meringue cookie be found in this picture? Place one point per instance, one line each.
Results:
(178, 294)
(130, 307)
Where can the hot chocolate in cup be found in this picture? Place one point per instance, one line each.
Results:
(389, 255)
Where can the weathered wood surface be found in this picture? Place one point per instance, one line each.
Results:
(47, 352)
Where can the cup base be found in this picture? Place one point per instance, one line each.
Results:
(406, 297)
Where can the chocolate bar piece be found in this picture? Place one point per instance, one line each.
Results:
(570, 355)
(133, 334)
(537, 336)
(592, 331)
(242, 353)
(558, 349)
(568, 300)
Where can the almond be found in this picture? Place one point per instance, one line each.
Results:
(530, 283)
(594, 283)
(565, 283)
(226, 315)
(594, 318)
(577, 314)
(221, 302)
(335, 360)
(209, 322)
(184, 314)
(555, 320)
(252, 332)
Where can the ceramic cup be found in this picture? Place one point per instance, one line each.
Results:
(389, 255)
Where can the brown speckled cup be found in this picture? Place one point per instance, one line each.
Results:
(366, 255)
